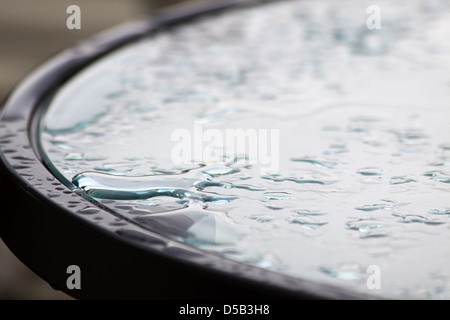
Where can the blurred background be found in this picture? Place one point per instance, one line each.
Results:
(30, 32)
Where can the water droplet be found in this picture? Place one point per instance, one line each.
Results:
(53, 195)
(374, 207)
(74, 156)
(7, 136)
(439, 164)
(373, 143)
(306, 212)
(331, 128)
(316, 162)
(300, 180)
(274, 208)
(366, 225)
(202, 185)
(410, 150)
(335, 150)
(375, 234)
(346, 271)
(8, 151)
(439, 176)
(412, 218)
(89, 210)
(217, 172)
(370, 172)
(441, 212)
(22, 158)
(401, 180)
(261, 218)
(357, 129)
(368, 119)
(63, 145)
(20, 167)
(307, 222)
(266, 261)
(279, 196)
(117, 224)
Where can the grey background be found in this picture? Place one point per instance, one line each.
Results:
(32, 31)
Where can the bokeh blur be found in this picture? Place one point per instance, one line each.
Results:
(30, 32)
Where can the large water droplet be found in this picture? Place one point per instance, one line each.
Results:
(104, 186)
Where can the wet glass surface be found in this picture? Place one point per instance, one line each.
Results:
(351, 128)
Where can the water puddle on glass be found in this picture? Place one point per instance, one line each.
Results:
(363, 149)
